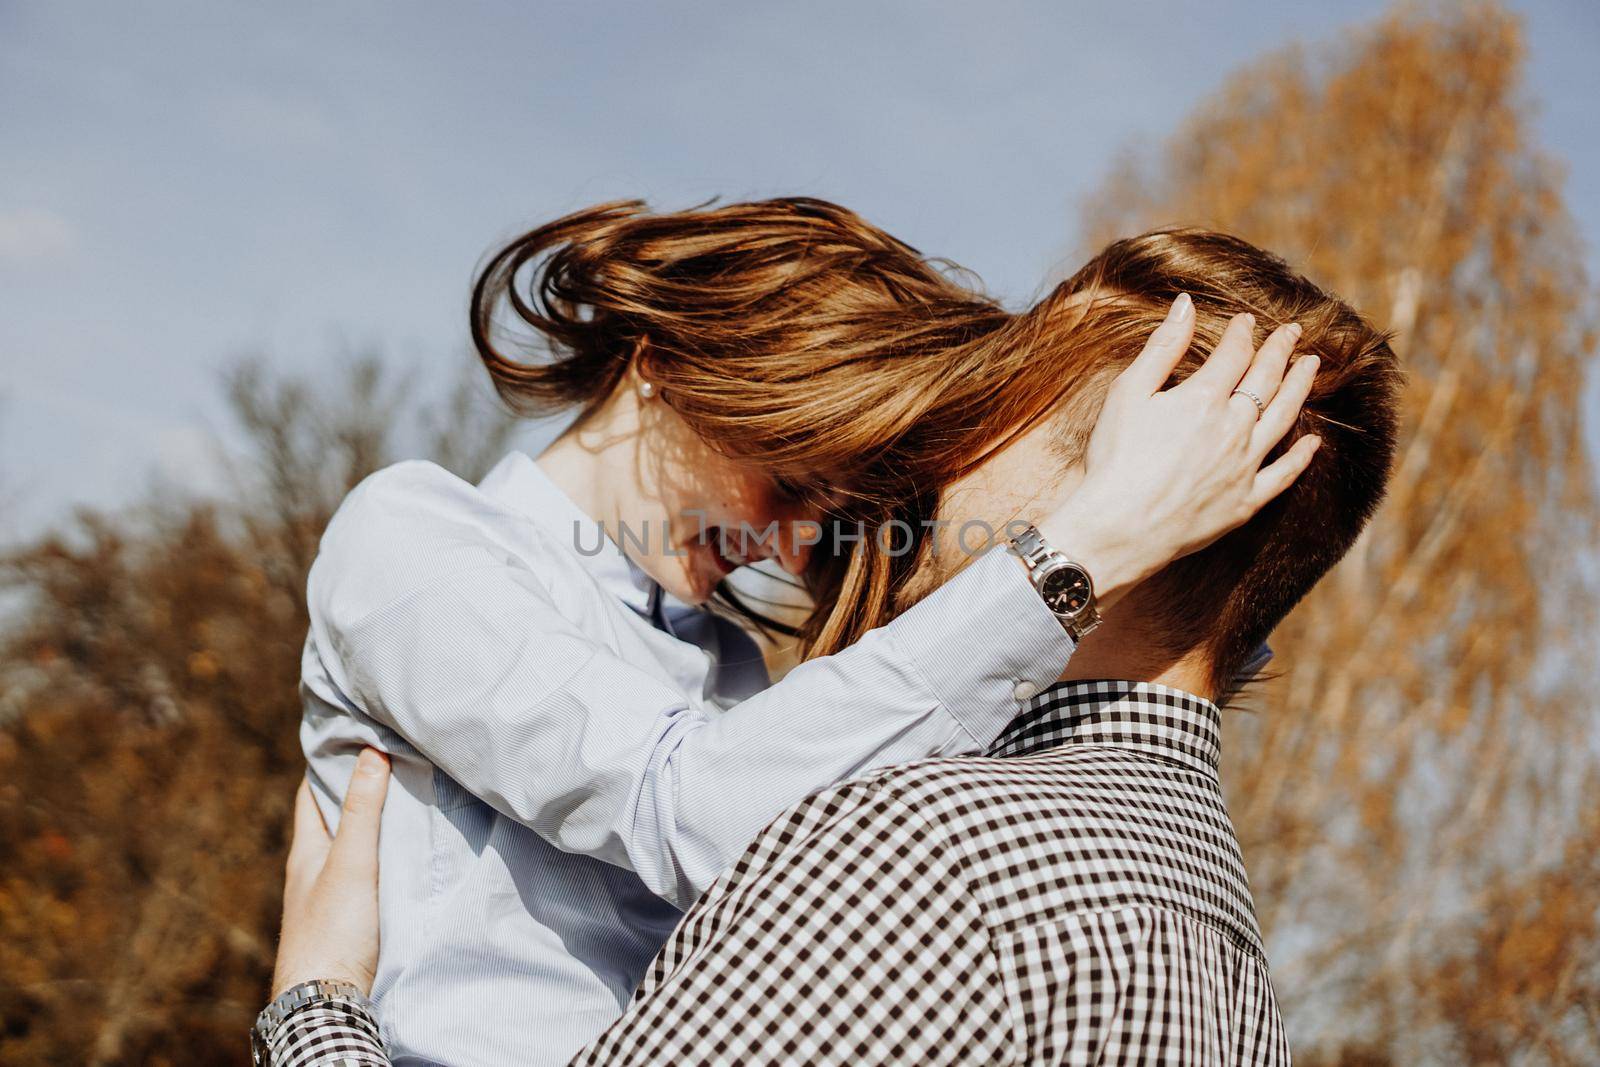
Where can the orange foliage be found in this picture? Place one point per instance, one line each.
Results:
(149, 751)
(1408, 792)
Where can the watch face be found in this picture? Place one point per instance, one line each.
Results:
(1066, 590)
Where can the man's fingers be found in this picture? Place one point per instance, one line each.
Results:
(308, 847)
(309, 843)
(357, 839)
(1155, 363)
(1281, 472)
(1285, 407)
(1229, 360)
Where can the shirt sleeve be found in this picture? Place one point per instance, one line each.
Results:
(480, 672)
(841, 937)
(327, 1033)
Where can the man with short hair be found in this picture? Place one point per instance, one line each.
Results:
(1076, 893)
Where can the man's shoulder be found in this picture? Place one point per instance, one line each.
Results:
(1071, 831)
(959, 805)
(959, 795)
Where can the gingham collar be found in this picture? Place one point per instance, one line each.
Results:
(1152, 718)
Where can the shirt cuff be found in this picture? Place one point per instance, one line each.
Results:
(985, 643)
(327, 1032)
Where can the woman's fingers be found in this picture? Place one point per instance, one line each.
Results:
(1156, 361)
(1266, 370)
(356, 844)
(1281, 472)
(1221, 371)
(1284, 408)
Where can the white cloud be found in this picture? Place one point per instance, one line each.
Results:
(32, 236)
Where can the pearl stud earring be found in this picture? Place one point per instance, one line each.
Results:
(647, 389)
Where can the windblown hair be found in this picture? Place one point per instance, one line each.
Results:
(794, 336)
(788, 333)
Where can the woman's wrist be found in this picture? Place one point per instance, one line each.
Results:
(1114, 561)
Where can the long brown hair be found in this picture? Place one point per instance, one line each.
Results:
(795, 336)
(788, 333)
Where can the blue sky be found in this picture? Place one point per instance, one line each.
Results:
(184, 183)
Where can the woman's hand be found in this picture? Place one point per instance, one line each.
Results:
(330, 894)
(1168, 471)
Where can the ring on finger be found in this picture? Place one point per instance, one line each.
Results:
(1261, 409)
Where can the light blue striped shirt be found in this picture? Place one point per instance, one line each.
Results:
(568, 775)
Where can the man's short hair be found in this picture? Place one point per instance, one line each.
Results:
(1226, 598)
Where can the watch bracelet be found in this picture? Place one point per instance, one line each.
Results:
(1030, 547)
(293, 1003)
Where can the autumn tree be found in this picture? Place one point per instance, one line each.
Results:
(1415, 791)
(148, 730)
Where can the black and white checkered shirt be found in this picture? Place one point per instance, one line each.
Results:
(1074, 896)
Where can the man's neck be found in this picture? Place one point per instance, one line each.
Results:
(1117, 651)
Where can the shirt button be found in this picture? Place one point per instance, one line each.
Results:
(1025, 691)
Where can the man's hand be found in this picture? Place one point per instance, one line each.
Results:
(330, 894)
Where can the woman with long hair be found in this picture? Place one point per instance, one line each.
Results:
(579, 748)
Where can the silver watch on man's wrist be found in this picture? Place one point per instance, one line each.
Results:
(1066, 587)
(318, 991)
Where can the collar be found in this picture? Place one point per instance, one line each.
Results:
(522, 485)
(1145, 716)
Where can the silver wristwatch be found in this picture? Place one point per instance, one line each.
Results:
(1066, 587)
(285, 1004)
